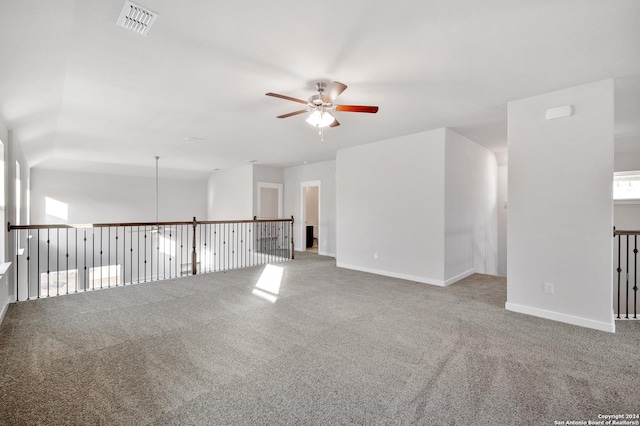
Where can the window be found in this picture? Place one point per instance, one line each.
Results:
(626, 186)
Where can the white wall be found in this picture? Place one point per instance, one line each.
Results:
(627, 152)
(502, 220)
(325, 172)
(233, 194)
(391, 202)
(470, 216)
(560, 206)
(13, 153)
(230, 194)
(99, 198)
(5, 295)
(627, 216)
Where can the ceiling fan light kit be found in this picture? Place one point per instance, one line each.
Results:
(321, 105)
(320, 119)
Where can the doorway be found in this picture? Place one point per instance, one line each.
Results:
(310, 230)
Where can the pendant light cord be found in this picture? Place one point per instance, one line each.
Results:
(157, 158)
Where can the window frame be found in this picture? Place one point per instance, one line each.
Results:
(625, 200)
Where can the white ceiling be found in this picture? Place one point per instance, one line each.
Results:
(81, 93)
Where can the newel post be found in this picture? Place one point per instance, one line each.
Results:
(292, 246)
(194, 255)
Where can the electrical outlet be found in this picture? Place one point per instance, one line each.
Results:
(548, 288)
(375, 255)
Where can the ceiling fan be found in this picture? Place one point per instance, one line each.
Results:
(321, 105)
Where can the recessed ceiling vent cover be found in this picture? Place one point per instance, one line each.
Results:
(136, 18)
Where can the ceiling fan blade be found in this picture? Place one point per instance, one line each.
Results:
(357, 108)
(334, 124)
(334, 91)
(288, 98)
(302, 111)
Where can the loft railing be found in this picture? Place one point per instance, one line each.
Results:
(53, 260)
(627, 260)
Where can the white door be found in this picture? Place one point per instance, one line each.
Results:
(270, 200)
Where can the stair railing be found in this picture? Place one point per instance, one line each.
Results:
(627, 260)
(57, 259)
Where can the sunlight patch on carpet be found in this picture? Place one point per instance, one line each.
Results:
(268, 285)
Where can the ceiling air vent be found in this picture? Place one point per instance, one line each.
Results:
(136, 18)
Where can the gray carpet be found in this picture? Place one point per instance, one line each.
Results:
(337, 347)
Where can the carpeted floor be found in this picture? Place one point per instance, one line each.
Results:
(337, 347)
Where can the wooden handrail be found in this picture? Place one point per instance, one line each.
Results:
(616, 232)
(11, 227)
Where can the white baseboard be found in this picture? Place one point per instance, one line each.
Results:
(556, 316)
(424, 280)
(459, 277)
(3, 311)
(323, 253)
